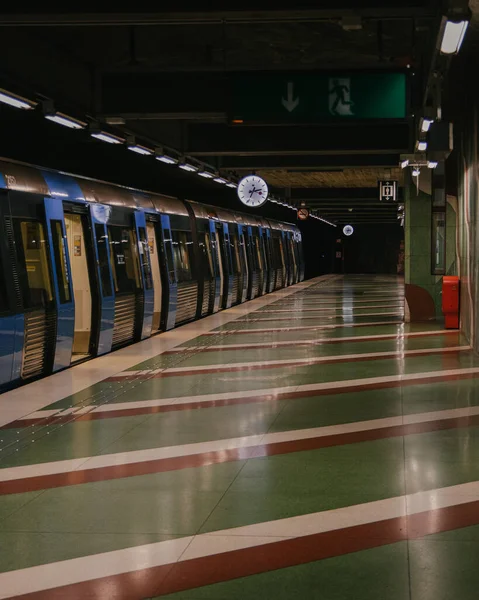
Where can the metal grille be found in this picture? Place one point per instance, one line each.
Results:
(279, 279)
(187, 301)
(235, 290)
(125, 318)
(13, 261)
(254, 285)
(40, 334)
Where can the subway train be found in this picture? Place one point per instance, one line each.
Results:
(89, 267)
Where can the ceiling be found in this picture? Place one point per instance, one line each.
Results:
(167, 77)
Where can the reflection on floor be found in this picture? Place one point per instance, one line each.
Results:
(306, 445)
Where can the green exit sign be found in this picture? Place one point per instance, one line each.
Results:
(314, 97)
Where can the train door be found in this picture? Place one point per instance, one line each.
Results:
(146, 276)
(170, 282)
(83, 282)
(127, 278)
(226, 264)
(30, 260)
(208, 267)
(264, 261)
(99, 215)
(244, 262)
(186, 271)
(156, 275)
(11, 312)
(236, 259)
(62, 288)
(219, 267)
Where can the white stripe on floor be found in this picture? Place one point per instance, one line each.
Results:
(222, 445)
(127, 560)
(297, 362)
(357, 338)
(299, 327)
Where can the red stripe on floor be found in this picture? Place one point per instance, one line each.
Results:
(208, 570)
(309, 342)
(222, 456)
(292, 363)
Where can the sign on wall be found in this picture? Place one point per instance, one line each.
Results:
(388, 190)
(314, 97)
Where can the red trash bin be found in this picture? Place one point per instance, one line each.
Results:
(450, 301)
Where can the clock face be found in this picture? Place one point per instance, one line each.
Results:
(348, 230)
(252, 191)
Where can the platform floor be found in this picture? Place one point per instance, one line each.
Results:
(308, 444)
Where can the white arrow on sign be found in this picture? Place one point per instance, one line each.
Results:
(288, 103)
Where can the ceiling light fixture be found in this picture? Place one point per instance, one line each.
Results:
(164, 157)
(140, 149)
(109, 138)
(206, 174)
(425, 124)
(187, 166)
(421, 146)
(16, 101)
(65, 120)
(452, 36)
(220, 180)
(231, 184)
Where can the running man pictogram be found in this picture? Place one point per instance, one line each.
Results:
(340, 97)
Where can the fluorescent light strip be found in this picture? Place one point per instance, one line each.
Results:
(140, 150)
(15, 101)
(168, 160)
(220, 180)
(66, 121)
(453, 35)
(107, 137)
(206, 174)
(188, 167)
(231, 185)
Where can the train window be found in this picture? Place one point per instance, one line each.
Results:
(145, 258)
(32, 256)
(205, 244)
(101, 240)
(123, 259)
(169, 256)
(183, 254)
(61, 269)
(277, 253)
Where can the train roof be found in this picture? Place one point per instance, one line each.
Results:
(18, 176)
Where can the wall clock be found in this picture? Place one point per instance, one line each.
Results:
(253, 191)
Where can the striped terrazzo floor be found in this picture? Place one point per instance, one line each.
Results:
(309, 444)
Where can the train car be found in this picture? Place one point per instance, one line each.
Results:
(89, 267)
